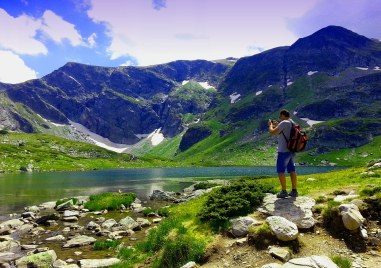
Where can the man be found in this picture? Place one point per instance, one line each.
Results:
(285, 159)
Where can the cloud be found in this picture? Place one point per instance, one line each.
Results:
(159, 4)
(58, 29)
(19, 34)
(187, 36)
(360, 16)
(91, 40)
(13, 69)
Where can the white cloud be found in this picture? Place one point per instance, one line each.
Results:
(18, 34)
(227, 28)
(91, 40)
(58, 29)
(13, 69)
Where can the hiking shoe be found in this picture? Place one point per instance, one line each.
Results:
(293, 193)
(282, 194)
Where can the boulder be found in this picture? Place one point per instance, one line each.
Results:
(109, 223)
(44, 219)
(191, 264)
(129, 223)
(313, 262)
(56, 238)
(143, 222)
(78, 241)
(298, 210)
(11, 224)
(70, 213)
(240, 226)
(282, 254)
(351, 216)
(94, 263)
(66, 205)
(9, 245)
(282, 228)
(70, 219)
(33, 209)
(43, 259)
(47, 205)
(163, 196)
(92, 226)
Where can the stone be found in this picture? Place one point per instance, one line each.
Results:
(28, 247)
(297, 210)
(364, 234)
(311, 179)
(312, 261)
(143, 222)
(272, 265)
(157, 220)
(163, 196)
(78, 241)
(280, 253)
(129, 223)
(47, 205)
(56, 238)
(109, 223)
(44, 219)
(66, 205)
(282, 228)
(95, 263)
(70, 213)
(70, 219)
(92, 226)
(43, 259)
(191, 264)
(28, 214)
(341, 198)
(33, 209)
(9, 257)
(9, 245)
(351, 216)
(240, 226)
(11, 224)
(59, 263)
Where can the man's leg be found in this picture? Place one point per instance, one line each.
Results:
(293, 179)
(282, 180)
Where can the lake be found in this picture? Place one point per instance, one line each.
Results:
(26, 189)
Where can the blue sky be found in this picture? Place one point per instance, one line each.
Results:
(39, 36)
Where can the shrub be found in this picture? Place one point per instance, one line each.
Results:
(181, 250)
(342, 262)
(261, 236)
(106, 244)
(320, 199)
(163, 212)
(369, 191)
(147, 211)
(64, 200)
(237, 199)
(4, 131)
(110, 201)
(205, 185)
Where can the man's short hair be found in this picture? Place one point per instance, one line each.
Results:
(285, 113)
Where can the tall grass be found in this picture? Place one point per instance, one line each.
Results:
(110, 201)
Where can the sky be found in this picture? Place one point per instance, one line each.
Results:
(40, 36)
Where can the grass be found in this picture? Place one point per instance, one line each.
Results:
(106, 244)
(109, 201)
(342, 262)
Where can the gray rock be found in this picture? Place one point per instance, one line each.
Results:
(9, 256)
(33, 209)
(11, 224)
(311, 262)
(191, 264)
(47, 205)
(44, 219)
(66, 205)
(9, 246)
(59, 264)
(78, 241)
(341, 198)
(95, 263)
(129, 223)
(273, 265)
(29, 247)
(280, 253)
(163, 196)
(351, 216)
(298, 210)
(92, 226)
(70, 213)
(43, 259)
(28, 214)
(241, 225)
(70, 219)
(56, 238)
(143, 222)
(109, 223)
(283, 229)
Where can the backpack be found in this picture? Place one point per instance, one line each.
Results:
(298, 138)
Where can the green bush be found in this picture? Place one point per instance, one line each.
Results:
(181, 250)
(64, 200)
(330, 212)
(369, 191)
(4, 131)
(163, 212)
(205, 185)
(342, 262)
(147, 211)
(237, 199)
(320, 199)
(106, 244)
(110, 201)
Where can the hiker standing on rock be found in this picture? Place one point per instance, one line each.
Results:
(285, 159)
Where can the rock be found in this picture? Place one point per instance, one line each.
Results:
(51, 223)
(311, 179)
(43, 259)
(78, 241)
(70, 219)
(280, 253)
(6, 246)
(240, 226)
(28, 247)
(94, 263)
(157, 220)
(272, 265)
(70, 213)
(28, 215)
(33, 209)
(341, 198)
(351, 216)
(59, 264)
(120, 234)
(162, 196)
(56, 238)
(240, 242)
(51, 217)
(12, 224)
(66, 205)
(191, 264)
(47, 205)
(313, 262)
(9, 257)
(283, 229)
(143, 222)
(92, 226)
(5, 230)
(129, 223)
(364, 234)
(109, 223)
(298, 210)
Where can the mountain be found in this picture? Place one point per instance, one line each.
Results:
(214, 112)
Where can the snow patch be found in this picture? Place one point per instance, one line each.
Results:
(311, 73)
(270, 85)
(234, 97)
(289, 83)
(311, 122)
(362, 68)
(295, 112)
(75, 80)
(205, 85)
(377, 68)
(258, 93)
(54, 124)
(156, 137)
(99, 140)
(184, 82)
